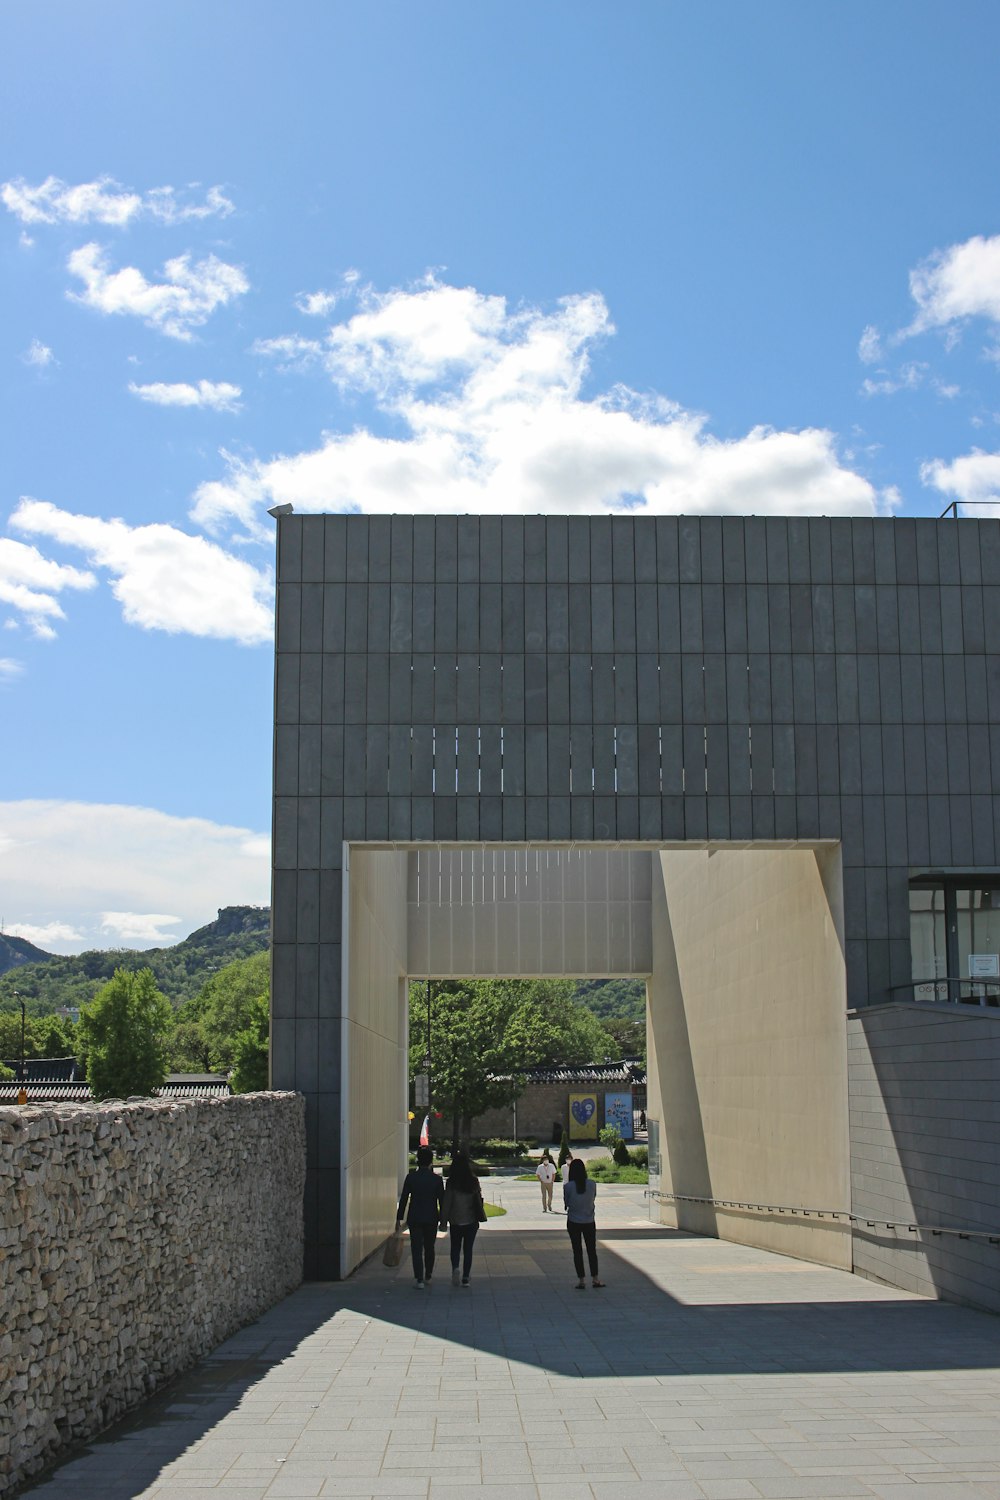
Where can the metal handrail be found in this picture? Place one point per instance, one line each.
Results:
(978, 988)
(952, 508)
(992, 1236)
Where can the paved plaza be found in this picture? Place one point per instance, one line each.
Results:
(704, 1371)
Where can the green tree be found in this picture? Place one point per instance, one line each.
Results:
(250, 1052)
(125, 1034)
(624, 1038)
(10, 1036)
(56, 1037)
(484, 1034)
(189, 1049)
(228, 1004)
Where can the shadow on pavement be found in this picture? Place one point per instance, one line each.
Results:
(523, 1307)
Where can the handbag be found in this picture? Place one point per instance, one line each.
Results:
(481, 1213)
(393, 1252)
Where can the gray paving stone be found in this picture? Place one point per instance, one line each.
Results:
(818, 1384)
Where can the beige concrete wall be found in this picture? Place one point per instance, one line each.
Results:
(747, 1043)
(374, 1041)
(518, 912)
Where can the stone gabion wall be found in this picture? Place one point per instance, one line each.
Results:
(134, 1237)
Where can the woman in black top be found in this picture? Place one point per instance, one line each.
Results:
(463, 1203)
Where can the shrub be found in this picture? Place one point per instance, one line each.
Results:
(611, 1137)
(620, 1154)
(639, 1157)
(564, 1151)
(498, 1146)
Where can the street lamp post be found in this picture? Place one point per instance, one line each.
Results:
(20, 1071)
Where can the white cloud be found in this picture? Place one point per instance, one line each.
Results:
(42, 937)
(104, 201)
(163, 578)
(161, 203)
(215, 395)
(93, 866)
(907, 378)
(960, 282)
(38, 354)
(870, 346)
(30, 582)
(9, 669)
(134, 928)
(975, 478)
(184, 301)
(494, 418)
(316, 304)
(290, 351)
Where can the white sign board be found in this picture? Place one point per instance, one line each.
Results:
(984, 965)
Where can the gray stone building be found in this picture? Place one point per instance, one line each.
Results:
(751, 760)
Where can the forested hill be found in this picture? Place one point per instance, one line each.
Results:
(181, 970)
(48, 981)
(15, 951)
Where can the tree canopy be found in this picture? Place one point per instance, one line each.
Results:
(124, 1036)
(485, 1033)
(225, 1008)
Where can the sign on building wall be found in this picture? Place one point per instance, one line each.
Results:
(618, 1112)
(583, 1119)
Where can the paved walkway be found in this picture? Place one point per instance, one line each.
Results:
(705, 1371)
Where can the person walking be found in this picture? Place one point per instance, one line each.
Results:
(423, 1191)
(546, 1174)
(580, 1195)
(463, 1211)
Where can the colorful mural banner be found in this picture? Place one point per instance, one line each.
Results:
(583, 1117)
(618, 1112)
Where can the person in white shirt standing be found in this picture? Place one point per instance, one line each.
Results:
(546, 1174)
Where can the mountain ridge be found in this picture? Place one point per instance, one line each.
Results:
(15, 951)
(54, 980)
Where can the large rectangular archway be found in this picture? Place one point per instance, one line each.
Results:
(742, 954)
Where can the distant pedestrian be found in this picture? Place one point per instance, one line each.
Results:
(423, 1190)
(580, 1195)
(546, 1174)
(463, 1211)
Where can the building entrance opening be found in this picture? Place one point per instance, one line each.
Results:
(741, 953)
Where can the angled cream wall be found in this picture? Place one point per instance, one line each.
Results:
(747, 1043)
(374, 1041)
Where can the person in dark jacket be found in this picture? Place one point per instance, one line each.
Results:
(423, 1190)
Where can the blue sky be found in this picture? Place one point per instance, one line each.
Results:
(398, 256)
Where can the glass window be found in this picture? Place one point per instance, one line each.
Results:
(978, 925)
(928, 942)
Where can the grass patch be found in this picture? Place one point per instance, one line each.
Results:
(610, 1171)
(493, 1210)
(530, 1177)
(603, 1170)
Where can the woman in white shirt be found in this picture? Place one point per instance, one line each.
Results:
(546, 1174)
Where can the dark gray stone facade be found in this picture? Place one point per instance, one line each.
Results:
(621, 679)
